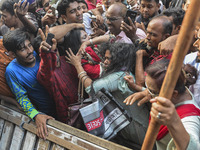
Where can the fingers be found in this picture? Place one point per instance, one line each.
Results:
(45, 132)
(45, 46)
(164, 101)
(46, 30)
(143, 100)
(125, 27)
(24, 4)
(42, 34)
(131, 22)
(40, 131)
(54, 45)
(131, 99)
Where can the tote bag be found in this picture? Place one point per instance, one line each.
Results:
(105, 117)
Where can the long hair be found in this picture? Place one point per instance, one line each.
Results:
(123, 57)
(73, 40)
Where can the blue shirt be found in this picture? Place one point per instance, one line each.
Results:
(29, 93)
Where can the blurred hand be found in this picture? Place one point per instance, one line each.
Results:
(131, 2)
(83, 47)
(142, 97)
(99, 8)
(79, 25)
(141, 26)
(166, 47)
(130, 30)
(73, 59)
(142, 52)
(129, 79)
(21, 9)
(97, 31)
(40, 121)
(99, 19)
(49, 18)
(44, 45)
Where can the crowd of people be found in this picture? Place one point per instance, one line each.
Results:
(48, 47)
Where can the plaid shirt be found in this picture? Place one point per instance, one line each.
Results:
(61, 82)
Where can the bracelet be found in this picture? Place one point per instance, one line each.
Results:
(83, 77)
(91, 42)
(83, 72)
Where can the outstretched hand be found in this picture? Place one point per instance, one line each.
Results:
(21, 9)
(49, 18)
(130, 30)
(142, 97)
(44, 45)
(40, 121)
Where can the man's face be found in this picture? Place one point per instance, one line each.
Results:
(155, 33)
(148, 9)
(74, 13)
(83, 7)
(25, 55)
(8, 19)
(113, 20)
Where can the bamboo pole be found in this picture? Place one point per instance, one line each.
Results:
(181, 48)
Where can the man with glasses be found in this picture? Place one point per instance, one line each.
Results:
(114, 17)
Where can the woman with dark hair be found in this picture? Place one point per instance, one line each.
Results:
(180, 116)
(122, 61)
(90, 61)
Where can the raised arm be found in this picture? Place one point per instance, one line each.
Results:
(21, 11)
(61, 30)
(49, 59)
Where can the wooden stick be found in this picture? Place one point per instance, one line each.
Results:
(181, 48)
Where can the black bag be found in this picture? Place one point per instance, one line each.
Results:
(104, 117)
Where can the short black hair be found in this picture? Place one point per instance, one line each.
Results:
(176, 13)
(83, 1)
(8, 6)
(63, 5)
(157, 1)
(15, 40)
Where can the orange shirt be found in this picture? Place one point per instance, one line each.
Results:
(5, 59)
